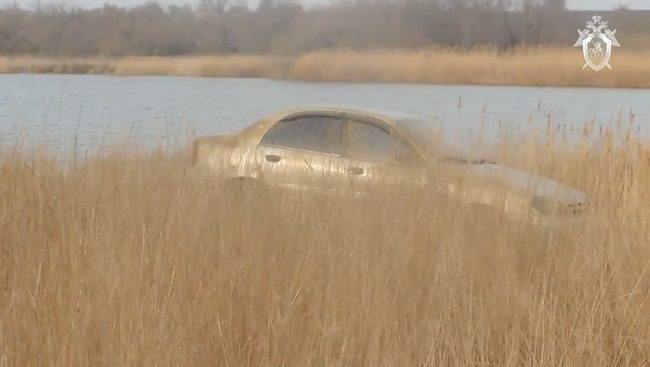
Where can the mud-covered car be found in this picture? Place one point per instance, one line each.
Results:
(354, 149)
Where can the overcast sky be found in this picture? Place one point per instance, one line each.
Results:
(572, 4)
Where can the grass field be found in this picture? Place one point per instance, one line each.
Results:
(129, 260)
(525, 67)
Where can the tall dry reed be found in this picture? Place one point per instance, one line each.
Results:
(525, 66)
(132, 260)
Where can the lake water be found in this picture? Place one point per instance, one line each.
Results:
(89, 108)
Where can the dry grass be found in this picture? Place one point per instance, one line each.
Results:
(129, 260)
(211, 66)
(525, 66)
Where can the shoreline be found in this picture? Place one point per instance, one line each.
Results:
(525, 67)
(634, 88)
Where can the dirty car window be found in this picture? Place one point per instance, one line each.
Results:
(315, 133)
(367, 141)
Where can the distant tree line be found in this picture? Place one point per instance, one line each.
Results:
(287, 27)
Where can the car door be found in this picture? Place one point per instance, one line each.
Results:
(378, 155)
(303, 152)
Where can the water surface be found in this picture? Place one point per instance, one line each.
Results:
(87, 109)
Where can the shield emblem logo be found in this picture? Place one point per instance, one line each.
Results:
(597, 41)
(597, 49)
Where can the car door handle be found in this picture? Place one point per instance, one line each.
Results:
(355, 171)
(273, 158)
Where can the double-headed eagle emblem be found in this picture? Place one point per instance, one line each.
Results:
(595, 32)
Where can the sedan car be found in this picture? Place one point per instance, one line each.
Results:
(353, 149)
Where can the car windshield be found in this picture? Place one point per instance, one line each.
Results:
(461, 160)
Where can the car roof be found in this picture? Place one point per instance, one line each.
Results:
(406, 123)
(419, 130)
(384, 114)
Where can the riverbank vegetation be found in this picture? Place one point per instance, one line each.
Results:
(452, 41)
(525, 67)
(128, 259)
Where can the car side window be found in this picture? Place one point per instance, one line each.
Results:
(314, 133)
(367, 141)
(371, 142)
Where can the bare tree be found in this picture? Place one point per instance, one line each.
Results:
(228, 26)
(216, 6)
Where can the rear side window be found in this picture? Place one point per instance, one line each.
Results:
(314, 133)
(368, 141)
(371, 142)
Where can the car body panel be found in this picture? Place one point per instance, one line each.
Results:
(540, 186)
(296, 168)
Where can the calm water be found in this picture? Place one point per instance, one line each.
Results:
(57, 108)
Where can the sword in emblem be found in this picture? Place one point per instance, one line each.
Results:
(585, 38)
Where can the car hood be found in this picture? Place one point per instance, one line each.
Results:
(540, 186)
